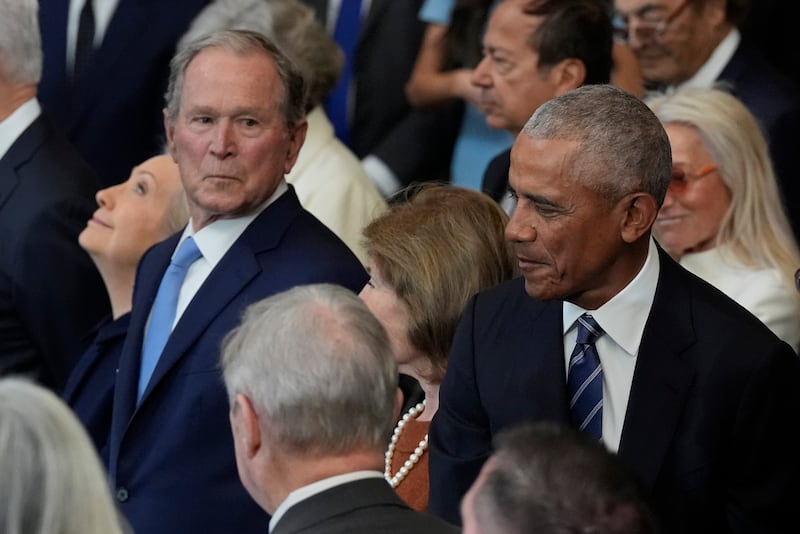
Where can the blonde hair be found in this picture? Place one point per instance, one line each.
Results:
(755, 227)
(51, 480)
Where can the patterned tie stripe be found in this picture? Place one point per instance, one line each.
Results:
(585, 379)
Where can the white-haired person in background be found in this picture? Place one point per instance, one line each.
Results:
(328, 177)
(51, 480)
(722, 217)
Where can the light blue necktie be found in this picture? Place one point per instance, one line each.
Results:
(585, 379)
(163, 312)
(346, 36)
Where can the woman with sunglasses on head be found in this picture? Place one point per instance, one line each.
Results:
(722, 217)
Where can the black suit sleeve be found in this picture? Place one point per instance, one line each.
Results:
(460, 439)
(57, 290)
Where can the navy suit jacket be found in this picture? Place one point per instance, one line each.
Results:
(775, 102)
(366, 505)
(51, 294)
(709, 427)
(171, 458)
(113, 113)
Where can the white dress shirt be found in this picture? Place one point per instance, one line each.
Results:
(623, 319)
(15, 124)
(103, 11)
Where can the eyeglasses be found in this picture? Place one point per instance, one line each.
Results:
(652, 22)
(680, 178)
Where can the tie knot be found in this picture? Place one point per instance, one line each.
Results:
(187, 253)
(588, 330)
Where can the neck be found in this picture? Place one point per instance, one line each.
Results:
(431, 400)
(13, 96)
(119, 281)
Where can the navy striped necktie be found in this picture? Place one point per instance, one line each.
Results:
(585, 379)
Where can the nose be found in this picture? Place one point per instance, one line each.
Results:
(222, 142)
(480, 75)
(105, 197)
(519, 229)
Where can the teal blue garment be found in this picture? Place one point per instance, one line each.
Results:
(477, 143)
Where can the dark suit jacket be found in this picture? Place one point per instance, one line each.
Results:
(709, 424)
(495, 177)
(367, 505)
(51, 294)
(775, 102)
(171, 459)
(415, 145)
(90, 388)
(113, 113)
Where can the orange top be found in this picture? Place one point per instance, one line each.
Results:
(414, 488)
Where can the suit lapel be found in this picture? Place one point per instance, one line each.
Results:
(662, 379)
(19, 152)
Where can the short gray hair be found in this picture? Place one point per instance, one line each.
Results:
(52, 481)
(240, 42)
(318, 367)
(289, 24)
(20, 41)
(624, 148)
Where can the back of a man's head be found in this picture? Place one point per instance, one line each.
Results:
(20, 42)
(318, 369)
(550, 479)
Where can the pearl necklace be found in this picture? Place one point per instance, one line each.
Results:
(415, 456)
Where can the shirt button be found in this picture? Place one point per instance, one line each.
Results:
(122, 494)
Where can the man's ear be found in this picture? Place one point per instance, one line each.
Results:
(640, 211)
(245, 425)
(297, 137)
(566, 75)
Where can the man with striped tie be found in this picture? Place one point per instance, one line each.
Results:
(606, 332)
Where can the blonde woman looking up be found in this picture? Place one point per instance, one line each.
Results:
(130, 218)
(51, 481)
(722, 217)
(427, 256)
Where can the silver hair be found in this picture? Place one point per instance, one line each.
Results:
(52, 481)
(289, 24)
(623, 147)
(318, 367)
(20, 41)
(240, 42)
(756, 225)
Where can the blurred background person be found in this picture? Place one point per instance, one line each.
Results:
(312, 386)
(395, 142)
(722, 217)
(550, 479)
(327, 176)
(50, 293)
(696, 43)
(105, 72)
(450, 50)
(533, 51)
(130, 218)
(51, 481)
(427, 256)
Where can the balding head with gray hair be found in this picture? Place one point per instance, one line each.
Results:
(291, 25)
(624, 148)
(20, 42)
(318, 369)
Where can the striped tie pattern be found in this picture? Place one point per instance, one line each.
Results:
(585, 379)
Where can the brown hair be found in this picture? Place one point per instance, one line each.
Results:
(436, 248)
